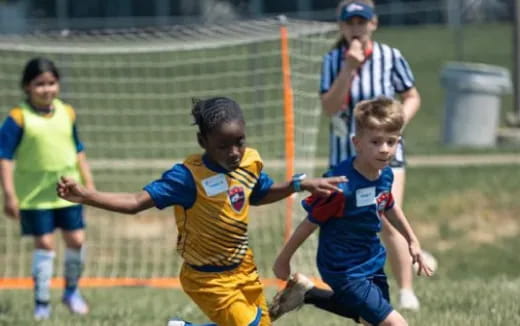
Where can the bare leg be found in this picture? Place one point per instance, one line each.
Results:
(397, 247)
(393, 319)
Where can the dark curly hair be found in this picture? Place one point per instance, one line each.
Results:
(212, 112)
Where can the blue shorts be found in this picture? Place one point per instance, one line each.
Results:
(38, 222)
(367, 298)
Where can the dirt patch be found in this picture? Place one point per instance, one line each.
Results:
(470, 217)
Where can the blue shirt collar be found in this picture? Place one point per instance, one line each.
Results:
(213, 166)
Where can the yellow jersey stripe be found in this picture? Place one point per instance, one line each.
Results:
(241, 179)
(248, 176)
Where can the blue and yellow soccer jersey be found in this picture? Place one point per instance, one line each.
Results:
(349, 246)
(211, 208)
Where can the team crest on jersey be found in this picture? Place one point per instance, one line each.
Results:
(382, 200)
(237, 198)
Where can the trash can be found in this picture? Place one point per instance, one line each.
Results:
(472, 103)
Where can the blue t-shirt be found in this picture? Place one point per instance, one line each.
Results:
(349, 246)
(177, 187)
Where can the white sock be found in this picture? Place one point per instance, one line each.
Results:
(74, 259)
(42, 265)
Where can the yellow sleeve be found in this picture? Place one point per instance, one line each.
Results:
(70, 112)
(17, 115)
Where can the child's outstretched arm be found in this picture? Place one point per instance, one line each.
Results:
(397, 218)
(128, 203)
(282, 266)
(320, 187)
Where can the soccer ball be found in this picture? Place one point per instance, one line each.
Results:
(429, 260)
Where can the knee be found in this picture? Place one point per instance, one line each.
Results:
(394, 319)
(45, 242)
(74, 240)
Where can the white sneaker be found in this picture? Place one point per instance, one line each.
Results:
(408, 300)
(177, 322)
(291, 297)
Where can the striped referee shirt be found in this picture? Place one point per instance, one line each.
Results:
(384, 73)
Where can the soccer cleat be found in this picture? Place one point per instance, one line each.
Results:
(177, 322)
(291, 297)
(408, 300)
(76, 303)
(42, 311)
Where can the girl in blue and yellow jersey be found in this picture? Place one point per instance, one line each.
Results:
(211, 194)
(40, 134)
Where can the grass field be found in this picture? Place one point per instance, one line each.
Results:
(467, 217)
(445, 303)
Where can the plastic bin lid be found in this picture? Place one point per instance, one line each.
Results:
(476, 77)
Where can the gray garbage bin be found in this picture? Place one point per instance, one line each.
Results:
(472, 103)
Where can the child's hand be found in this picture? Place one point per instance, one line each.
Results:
(322, 187)
(355, 55)
(422, 267)
(11, 208)
(70, 190)
(282, 269)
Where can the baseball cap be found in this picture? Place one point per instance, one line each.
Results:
(358, 9)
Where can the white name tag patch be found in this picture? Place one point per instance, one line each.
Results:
(215, 185)
(365, 196)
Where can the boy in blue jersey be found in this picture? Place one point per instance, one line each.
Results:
(350, 254)
(359, 68)
(211, 193)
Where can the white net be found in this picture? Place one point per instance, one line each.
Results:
(132, 91)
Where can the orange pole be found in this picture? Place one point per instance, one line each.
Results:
(288, 110)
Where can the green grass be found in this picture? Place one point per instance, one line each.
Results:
(467, 217)
(445, 303)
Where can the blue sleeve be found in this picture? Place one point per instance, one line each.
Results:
(79, 145)
(10, 137)
(327, 174)
(402, 76)
(175, 187)
(314, 221)
(261, 188)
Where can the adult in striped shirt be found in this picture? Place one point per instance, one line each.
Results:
(356, 69)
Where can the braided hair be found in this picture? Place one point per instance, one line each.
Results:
(213, 112)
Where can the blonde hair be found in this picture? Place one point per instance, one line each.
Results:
(381, 113)
(340, 41)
